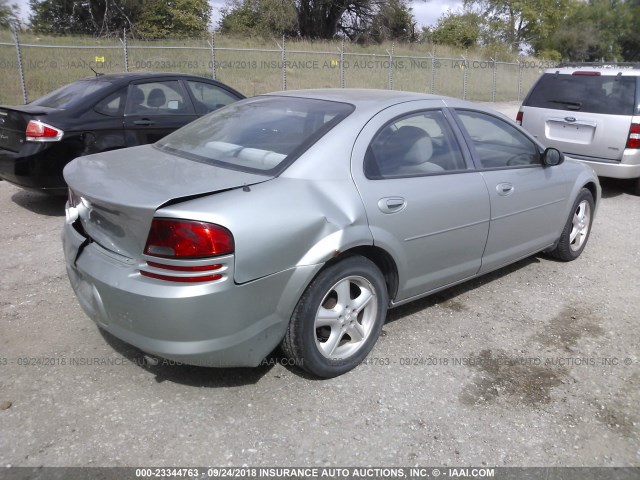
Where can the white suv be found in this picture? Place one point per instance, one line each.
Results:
(591, 112)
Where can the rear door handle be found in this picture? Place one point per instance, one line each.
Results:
(391, 204)
(504, 189)
(144, 122)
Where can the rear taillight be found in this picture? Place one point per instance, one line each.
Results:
(186, 240)
(41, 132)
(519, 116)
(169, 238)
(634, 136)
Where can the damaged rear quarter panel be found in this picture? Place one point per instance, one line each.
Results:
(283, 223)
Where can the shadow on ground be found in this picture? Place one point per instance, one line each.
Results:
(40, 203)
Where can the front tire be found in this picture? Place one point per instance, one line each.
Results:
(576, 232)
(338, 319)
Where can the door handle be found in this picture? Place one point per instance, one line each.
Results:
(391, 204)
(144, 122)
(504, 189)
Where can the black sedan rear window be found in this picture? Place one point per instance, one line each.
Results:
(612, 95)
(260, 135)
(71, 94)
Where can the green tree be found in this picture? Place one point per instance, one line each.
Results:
(8, 14)
(393, 21)
(95, 17)
(630, 38)
(259, 17)
(174, 18)
(596, 30)
(519, 23)
(356, 19)
(457, 29)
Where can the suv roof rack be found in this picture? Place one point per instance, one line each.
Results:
(599, 64)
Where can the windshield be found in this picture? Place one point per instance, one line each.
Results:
(613, 95)
(69, 94)
(260, 135)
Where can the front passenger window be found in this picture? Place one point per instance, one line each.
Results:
(498, 144)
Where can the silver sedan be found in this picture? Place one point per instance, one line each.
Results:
(298, 219)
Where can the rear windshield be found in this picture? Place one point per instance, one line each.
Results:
(71, 94)
(259, 135)
(613, 95)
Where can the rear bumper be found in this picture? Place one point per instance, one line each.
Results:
(628, 167)
(37, 168)
(214, 324)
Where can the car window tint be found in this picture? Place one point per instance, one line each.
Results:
(157, 98)
(71, 94)
(612, 95)
(418, 144)
(209, 97)
(113, 105)
(260, 135)
(497, 143)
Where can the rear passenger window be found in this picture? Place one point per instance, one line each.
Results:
(113, 105)
(418, 144)
(498, 144)
(158, 98)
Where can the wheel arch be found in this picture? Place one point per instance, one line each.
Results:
(381, 258)
(594, 191)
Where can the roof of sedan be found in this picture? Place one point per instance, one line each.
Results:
(128, 76)
(361, 97)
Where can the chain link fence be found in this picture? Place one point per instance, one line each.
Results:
(29, 70)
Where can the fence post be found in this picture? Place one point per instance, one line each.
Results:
(433, 70)
(20, 66)
(212, 43)
(519, 79)
(342, 64)
(390, 69)
(284, 65)
(464, 77)
(126, 50)
(493, 82)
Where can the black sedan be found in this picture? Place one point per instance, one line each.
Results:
(98, 114)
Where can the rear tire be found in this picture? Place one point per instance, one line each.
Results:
(577, 229)
(636, 187)
(338, 319)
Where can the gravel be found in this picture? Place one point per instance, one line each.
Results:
(537, 364)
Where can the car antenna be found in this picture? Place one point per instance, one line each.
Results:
(98, 74)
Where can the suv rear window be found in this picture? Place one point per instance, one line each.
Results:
(612, 95)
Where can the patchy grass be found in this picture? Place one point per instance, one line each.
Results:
(239, 63)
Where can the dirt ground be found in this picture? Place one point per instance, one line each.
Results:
(537, 364)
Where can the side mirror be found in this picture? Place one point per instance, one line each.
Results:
(552, 157)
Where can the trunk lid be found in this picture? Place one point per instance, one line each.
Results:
(13, 124)
(118, 192)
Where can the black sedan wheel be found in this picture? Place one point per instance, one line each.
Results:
(338, 319)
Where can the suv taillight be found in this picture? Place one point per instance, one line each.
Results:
(519, 116)
(38, 131)
(634, 136)
(186, 240)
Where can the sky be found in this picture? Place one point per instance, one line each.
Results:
(426, 12)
